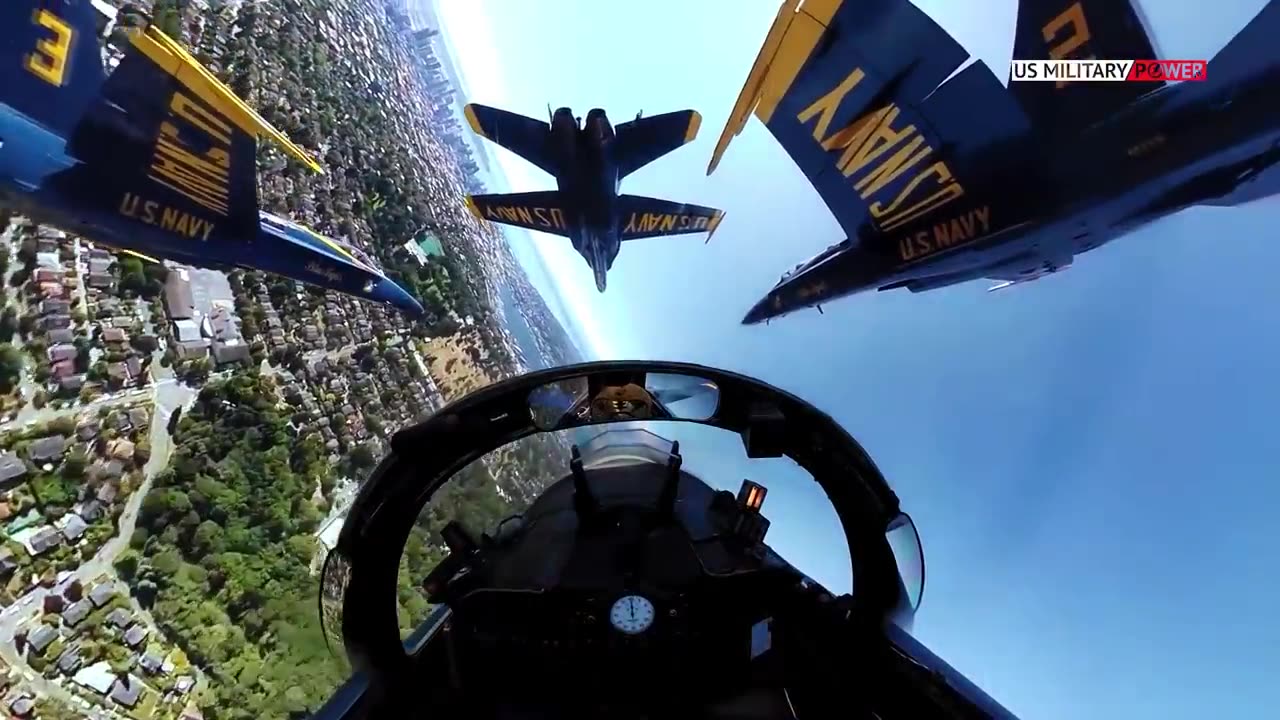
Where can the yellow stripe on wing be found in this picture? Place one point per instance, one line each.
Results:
(792, 38)
(170, 57)
(139, 255)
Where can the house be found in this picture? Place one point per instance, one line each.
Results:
(62, 351)
(184, 684)
(7, 564)
(114, 335)
(88, 430)
(117, 373)
(61, 335)
(178, 300)
(138, 417)
(121, 449)
(41, 637)
(49, 307)
(22, 706)
(90, 511)
(71, 383)
(44, 540)
(99, 265)
(101, 594)
(120, 618)
(70, 661)
(97, 677)
(133, 365)
(193, 350)
(100, 280)
(126, 691)
(12, 469)
(229, 352)
(55, 321)
(186, 330)
(62, 369)
(47, 449)
(51, 290)
(46, 275)
(151, 663)
(134, 636)
(73, 527)
(107, 493)
(76, 612)
(221, 325)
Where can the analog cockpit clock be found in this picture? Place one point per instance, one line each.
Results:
(631, 614)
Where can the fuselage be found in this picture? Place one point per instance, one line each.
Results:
(41, 180)
(1215, 142)
(589, 180)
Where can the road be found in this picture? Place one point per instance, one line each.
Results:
(28, 414)
(168, 396)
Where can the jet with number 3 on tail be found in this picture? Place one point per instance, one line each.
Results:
(940, 174)
(156, 158)
(589, 161)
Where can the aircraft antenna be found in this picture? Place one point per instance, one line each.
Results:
(550, 116)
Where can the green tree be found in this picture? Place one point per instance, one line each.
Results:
(10, 367)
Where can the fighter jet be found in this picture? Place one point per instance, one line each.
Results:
(156, 158)
(589, 161)
(939, 174)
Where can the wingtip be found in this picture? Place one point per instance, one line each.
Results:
(714, 224)
(695, 123)
(469, 111)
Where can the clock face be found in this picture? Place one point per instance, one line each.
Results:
(631, 614)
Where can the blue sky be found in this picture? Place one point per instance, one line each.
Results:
(1086, 456)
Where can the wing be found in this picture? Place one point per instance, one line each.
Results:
(1078, 30)
(865, 98)
(524, 136)
(639, 142)
(644, 217)
(542, 211)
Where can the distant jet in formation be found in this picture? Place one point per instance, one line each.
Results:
(589, 161)
(940, 178)
(156, 159)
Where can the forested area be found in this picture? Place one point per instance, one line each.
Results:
(225, 541)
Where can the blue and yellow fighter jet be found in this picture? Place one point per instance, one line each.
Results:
(156, 158)
(939, 174)
(589, 161)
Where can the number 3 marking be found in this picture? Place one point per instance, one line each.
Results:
(49, 61)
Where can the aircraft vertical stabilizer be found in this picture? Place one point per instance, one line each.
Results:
(1081, 30)
(1251, 47)
(50, 63)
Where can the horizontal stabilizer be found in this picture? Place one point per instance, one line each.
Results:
(643, 140)
(1081, 30)
(644, 217)
(542, 211)
(524, 136)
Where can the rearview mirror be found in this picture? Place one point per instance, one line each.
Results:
(590, 400)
